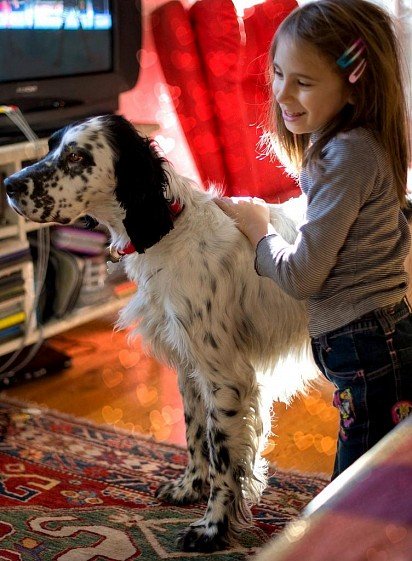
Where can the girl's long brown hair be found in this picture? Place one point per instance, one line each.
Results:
(332, 26)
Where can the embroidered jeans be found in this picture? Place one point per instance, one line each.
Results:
(369, 361)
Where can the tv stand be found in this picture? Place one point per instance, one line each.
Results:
(33, 104)
(14, 231)
(46, 115)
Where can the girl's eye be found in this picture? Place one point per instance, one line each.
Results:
(278, 73)
(304, 84)
(74, 158)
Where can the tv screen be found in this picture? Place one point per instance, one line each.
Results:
(46, 39)
(62, 60)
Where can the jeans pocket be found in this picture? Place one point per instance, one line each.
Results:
(403, 341)
(339, 359)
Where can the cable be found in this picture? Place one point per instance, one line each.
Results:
(43, 239)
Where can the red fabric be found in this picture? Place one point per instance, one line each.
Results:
(260, 23)
(216, 29)
(215, 66)
(177, 51)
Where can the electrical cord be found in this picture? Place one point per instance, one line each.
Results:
(43, 239)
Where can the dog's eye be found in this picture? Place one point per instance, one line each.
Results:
(74, 158)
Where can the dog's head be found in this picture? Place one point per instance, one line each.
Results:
(100, 167)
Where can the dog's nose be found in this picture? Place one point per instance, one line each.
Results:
(14, 186)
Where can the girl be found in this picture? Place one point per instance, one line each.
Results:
(339, 115)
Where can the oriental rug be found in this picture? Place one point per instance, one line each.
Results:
(71, 490)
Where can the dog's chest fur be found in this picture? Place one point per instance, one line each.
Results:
(182, 287)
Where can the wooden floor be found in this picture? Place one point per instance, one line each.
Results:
(115, 383)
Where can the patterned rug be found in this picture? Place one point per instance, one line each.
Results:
(74, 491)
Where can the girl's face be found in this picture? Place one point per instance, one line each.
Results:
(308, 90)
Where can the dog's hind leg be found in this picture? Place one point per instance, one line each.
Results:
(234, 432)
(193, 485)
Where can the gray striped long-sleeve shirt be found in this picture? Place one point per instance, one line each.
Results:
(348, 258)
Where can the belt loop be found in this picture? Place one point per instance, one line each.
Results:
(323, 341)
(385, 320)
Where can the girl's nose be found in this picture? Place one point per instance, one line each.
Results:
(282, 92)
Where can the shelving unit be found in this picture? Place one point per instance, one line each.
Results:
(53, 327)
(14, 230)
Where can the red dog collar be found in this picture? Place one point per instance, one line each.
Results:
(175, 208)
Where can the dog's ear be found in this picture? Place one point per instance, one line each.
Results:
(141, 184)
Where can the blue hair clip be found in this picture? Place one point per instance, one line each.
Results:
(349, 56)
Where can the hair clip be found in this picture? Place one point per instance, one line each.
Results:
(357, 73)
(347, 58)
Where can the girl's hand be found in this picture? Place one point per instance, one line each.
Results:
(250, 214)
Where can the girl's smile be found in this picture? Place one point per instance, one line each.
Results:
(291, 117)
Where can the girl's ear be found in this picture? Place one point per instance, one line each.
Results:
(141, 185)
(349, 92)
(351, 98)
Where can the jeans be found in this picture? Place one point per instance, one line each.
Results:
(369, 361)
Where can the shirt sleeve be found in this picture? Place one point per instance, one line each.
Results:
(340, 185)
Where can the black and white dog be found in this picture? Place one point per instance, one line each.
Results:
(200, 306)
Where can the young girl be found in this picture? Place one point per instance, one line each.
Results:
(340, 120)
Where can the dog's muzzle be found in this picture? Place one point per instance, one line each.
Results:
(14, 186)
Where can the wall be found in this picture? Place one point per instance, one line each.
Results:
(149, 101)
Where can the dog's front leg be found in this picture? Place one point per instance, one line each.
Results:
(193, 485)
(234, 429)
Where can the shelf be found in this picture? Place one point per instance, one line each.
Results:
(22, 151)
(33, 226)
(77, 317)
(15, 267)
(9, 231)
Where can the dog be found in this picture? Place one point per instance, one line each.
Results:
(200, 306)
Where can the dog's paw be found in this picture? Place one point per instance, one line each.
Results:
(183, 491)
(204, 538)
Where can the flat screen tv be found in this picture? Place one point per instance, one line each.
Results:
(61, 60)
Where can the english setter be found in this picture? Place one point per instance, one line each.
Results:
(200, 306)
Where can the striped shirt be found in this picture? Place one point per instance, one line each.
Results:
(348, 258)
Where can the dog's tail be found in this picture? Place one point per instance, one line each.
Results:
(293, 374)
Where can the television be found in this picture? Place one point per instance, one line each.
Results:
(63, 60)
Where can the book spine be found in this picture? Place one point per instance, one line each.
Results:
(12, 320)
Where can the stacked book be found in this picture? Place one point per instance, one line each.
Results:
(12, 318)
(13, 252)
(78, 240)
(12, 315)
(94, 288)
(11, 286)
